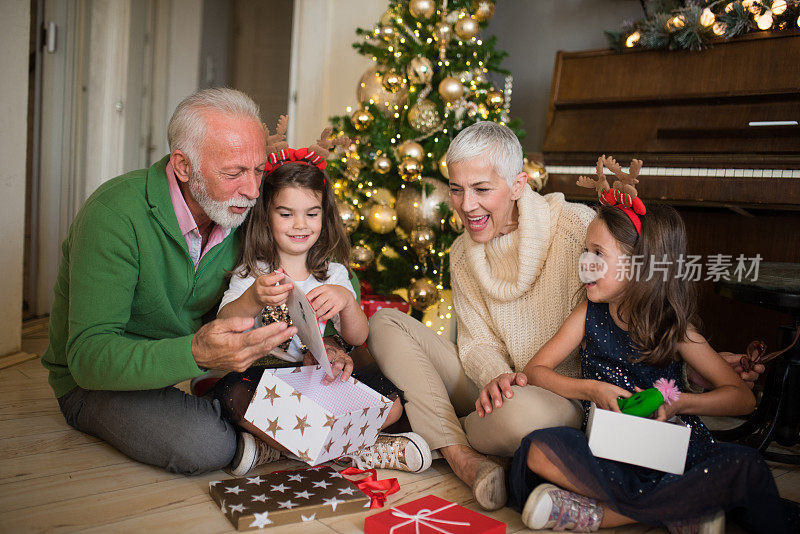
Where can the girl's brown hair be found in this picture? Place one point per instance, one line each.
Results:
(259, 245)
(659, 304)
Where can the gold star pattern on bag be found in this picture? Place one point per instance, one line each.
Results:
(301, 425)
(297, 394)
(331, 420)
(271, 394)
(273, 427)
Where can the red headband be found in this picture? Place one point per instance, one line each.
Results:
(630, 206)
(291, 155)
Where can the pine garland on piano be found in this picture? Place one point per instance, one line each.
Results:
(695, 24)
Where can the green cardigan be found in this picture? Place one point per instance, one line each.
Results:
(127, 296)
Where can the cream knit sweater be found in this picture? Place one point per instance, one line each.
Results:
(512, 294)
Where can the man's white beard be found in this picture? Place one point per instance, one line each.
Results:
(216, 210)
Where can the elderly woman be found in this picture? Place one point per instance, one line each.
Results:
(514, 281)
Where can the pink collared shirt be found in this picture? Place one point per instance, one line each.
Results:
(187, 225)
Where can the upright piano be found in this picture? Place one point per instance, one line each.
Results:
(719, 133)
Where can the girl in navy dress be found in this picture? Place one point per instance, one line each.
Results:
(638, 326)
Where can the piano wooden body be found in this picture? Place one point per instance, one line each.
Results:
(719, 134)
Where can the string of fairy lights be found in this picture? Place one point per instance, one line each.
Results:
(698, 24)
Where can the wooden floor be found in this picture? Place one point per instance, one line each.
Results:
(54, 478)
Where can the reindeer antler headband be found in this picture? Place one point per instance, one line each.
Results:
(279, 153)
(622, 193)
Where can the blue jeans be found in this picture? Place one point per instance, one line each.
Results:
(162, 427)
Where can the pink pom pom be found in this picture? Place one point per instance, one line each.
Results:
(668, 390)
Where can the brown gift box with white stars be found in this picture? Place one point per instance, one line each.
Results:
(316, 422)
(257, 502)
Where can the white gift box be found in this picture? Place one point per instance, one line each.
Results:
(637, 440)
(315, 421)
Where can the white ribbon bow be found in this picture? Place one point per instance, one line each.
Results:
(423, 517)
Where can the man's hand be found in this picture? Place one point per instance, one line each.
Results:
(341, 362)
(226, 344)
(329, 299)
(493, 392)
(749, 377)
(266, 292)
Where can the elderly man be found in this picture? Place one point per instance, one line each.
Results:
(144, 261)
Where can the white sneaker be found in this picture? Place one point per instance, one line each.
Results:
(549, 507)
(250, 453)
(404, 452)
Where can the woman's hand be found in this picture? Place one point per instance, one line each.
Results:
(494, 391)
(605, 395)
(329, 299)
(265, 292)
(748, 376)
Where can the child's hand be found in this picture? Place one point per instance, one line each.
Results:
(605, 395)
(341, 362)
(329, 299)
(266, 293)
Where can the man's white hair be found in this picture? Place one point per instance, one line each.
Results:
(493, 143)
(187, 127)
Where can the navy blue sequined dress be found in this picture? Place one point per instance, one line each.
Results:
(717, 475)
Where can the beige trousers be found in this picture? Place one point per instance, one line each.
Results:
(440, 398)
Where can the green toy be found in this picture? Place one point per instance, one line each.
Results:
(645, 403)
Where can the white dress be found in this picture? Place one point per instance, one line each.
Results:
(337, 274)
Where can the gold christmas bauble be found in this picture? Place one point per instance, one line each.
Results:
(466, 28)
(482, 10)
(422, 9)
(420, 70)
(364, 208)
(361, 119)
(422, 294)
(537, 173)
(495, 99)
(423, 116)
(381, 195)
(451, 89)
(414, 210)
(411, 149)
(386, 18)
(442, 32)
(382, 165)
(388, 32)
(455, 222)
(354, 165)
(409, 169)
(361, 256)
(443, 166)
(422, 240)
(392, 81)
(370, 87)
(349, 216)
(381, 219)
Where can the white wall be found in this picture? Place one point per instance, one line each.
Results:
(532, 33)
(325, 67)
(15, 30)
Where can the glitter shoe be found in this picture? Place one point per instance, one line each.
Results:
(250, 453)
(549, 507)
(713, 524)
(404, 452)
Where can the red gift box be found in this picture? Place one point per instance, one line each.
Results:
(372, 303)
(431, 515)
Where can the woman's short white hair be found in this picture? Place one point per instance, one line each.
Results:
(187, 127)
(492, 142)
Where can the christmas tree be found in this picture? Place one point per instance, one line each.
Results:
(433, 76)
